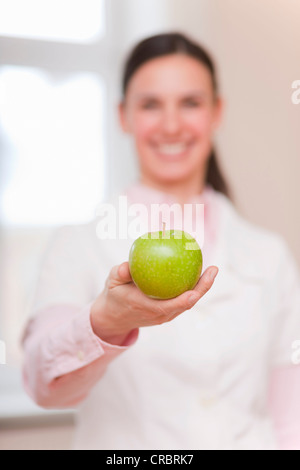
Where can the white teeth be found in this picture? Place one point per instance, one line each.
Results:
(172, 149)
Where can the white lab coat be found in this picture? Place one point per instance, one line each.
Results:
(200, 381)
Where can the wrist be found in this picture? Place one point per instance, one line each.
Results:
(103, 328)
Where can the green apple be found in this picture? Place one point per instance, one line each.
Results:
(165, 264)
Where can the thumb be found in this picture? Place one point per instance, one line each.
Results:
(119, 275)
(124, 272)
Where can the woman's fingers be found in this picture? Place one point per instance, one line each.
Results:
(188, 299)
(206, 280)
(204, 284)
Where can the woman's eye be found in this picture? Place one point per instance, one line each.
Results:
(192, 103)
(150, 105)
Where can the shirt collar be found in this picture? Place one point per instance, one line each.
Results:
(139, 191)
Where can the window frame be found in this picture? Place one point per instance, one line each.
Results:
(67, 58)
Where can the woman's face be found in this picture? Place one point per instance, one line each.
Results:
(171, 111)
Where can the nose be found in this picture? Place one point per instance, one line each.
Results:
(171, 120)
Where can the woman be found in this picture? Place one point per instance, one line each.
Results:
(145, 373)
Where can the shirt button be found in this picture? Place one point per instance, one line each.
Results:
(207, 401)
(80, 355)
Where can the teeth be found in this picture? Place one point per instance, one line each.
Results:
(172, 149)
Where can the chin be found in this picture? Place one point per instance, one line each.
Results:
(172, 177)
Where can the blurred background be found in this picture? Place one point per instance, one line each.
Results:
(62, 152)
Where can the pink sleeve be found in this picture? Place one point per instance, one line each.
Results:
(285, 406)
(63, 358)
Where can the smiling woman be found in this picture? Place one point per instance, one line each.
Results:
(192, 371)
(172, 116)
(173, 122)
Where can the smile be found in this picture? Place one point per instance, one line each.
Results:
(177, 149)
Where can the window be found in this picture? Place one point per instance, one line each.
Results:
(54, 82)
(56, 20)
(53, 159)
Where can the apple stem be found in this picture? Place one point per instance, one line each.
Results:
(164, 228)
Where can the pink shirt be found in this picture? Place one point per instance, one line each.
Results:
(64, 359)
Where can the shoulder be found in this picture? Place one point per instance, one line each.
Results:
(251, 249)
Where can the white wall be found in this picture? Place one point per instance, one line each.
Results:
(257, 48)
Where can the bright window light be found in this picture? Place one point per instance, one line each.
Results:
(57, 20)
(52, 139)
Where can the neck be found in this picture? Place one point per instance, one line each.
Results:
(183, 190)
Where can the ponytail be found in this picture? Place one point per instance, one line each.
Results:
(214, 175)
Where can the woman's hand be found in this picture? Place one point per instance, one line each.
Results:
(122, 307)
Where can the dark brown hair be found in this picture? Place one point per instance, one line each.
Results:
(177, 43)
